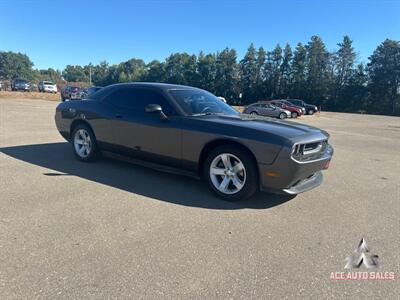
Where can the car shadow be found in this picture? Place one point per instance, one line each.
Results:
(133, 178)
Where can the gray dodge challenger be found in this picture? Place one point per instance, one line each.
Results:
(190, 131)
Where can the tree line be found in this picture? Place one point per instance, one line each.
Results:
(334, 80)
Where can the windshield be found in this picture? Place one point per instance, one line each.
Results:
(297, 102)
(21, 81)
(48, 83)
(197, 102)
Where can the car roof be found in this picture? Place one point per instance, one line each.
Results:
(161, 86)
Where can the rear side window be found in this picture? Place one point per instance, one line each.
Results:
(137, 99)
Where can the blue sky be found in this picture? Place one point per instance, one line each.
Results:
(60, 32)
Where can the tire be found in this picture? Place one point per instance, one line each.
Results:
(62, 98)
(83, 137)
(221, 182)
(254, 113)
(282, 116)
(294, 115)
(311, 112)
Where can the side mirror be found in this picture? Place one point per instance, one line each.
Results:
(152, 108)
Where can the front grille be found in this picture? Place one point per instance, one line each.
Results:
(309, 151)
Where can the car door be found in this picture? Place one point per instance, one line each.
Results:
(141, 134)
(267, 110)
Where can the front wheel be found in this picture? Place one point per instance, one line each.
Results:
(282, 116)
(231, 173)
(311, 112)
(254, 113)
(84, 143)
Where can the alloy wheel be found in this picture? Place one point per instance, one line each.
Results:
(227, 173)
(82, 143)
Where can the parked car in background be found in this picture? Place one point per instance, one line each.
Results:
(69, 92)
(1, 85)
(183, 129)
(20, 85)
(294, 110)
(309, 108)
(87, 92)
(47, 86)
(267, 109)
(303, 110)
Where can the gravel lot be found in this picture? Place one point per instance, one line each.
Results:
(114, 230)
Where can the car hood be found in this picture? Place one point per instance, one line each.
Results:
(285, 129)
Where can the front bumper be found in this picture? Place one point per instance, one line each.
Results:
(21, 88)
(286, 175)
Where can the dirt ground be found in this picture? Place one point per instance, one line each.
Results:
(29, 95)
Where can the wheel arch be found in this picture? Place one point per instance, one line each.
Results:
(222, 142)
(77, 122)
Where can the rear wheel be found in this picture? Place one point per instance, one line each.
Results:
(84, 143)
(231, 173)
(294, 115)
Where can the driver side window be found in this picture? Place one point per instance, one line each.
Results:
(137, 99)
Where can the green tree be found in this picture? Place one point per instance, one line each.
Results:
(384, 77)
(206, 70)
(317, 79)
(227, 75)
(249, 74)
(272, 73)
(285, 71)
(133, 70)
(299, 69)
(355, 91)
(344, 60)
(75, 74)
(181, 68)
(15, 65)
(260, 80)
(155, 72)
(100, 73)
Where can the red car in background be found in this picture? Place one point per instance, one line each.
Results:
(294, 110)
(71, 93)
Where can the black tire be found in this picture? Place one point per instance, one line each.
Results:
(294, 115)
(94, 153)
(251, 182)
(311, 112)
(62, 98)
(254, 113)
(282, 116)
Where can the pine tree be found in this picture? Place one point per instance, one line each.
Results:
(227, 75)
(344, 64)
(248, 74)
(259, 88)
(299, 68)
(206, 69)
(317, 77)
(384, 73)
(285, 71)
